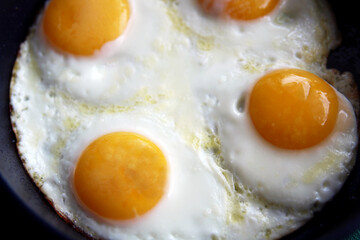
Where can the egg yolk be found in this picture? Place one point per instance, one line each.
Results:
(81, 27)
(293, 109)
(240, 9)
(120, 176)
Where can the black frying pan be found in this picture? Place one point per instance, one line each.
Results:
(26, 213)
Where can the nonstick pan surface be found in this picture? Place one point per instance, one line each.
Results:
(26, 213)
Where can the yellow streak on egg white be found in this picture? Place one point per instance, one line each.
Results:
(205, 140)
(162, 46)
(71, 123)
(38, 179)
(253, 66)
(214, 237)
(141, 98)
(312, 55)
(33, 64)
(238, 212)
(57, 147)
(56, 150)
(242, 197)
(149, 61)
(212, 143)
(284, 18)
(203, 43)
(237, 208)
(328, 164)
(269, 231)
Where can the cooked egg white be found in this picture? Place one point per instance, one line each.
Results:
(59, 128)
(182, 78)
(297, 179)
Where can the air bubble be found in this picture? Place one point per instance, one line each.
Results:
(240, 105)
(272, 59)
(52, 94)
(326, 184)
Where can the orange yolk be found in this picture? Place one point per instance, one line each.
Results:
(81, 27)
(240, 9)
(293, 109)
(120, 176)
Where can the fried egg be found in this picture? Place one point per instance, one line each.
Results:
(307, 166)
(192, 119)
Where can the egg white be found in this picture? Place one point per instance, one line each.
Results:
(183, 204)
(181, 78)
(124, 63)
(297, 179)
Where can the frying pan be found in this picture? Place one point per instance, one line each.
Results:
(25, 212)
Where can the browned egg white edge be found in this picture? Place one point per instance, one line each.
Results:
(22, 158)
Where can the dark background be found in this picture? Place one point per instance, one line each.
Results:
(28, 215)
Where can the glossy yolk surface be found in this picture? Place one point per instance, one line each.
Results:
(80, 27)
(240, 9)
(120, 176)
(249, 9)
(293, 109)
